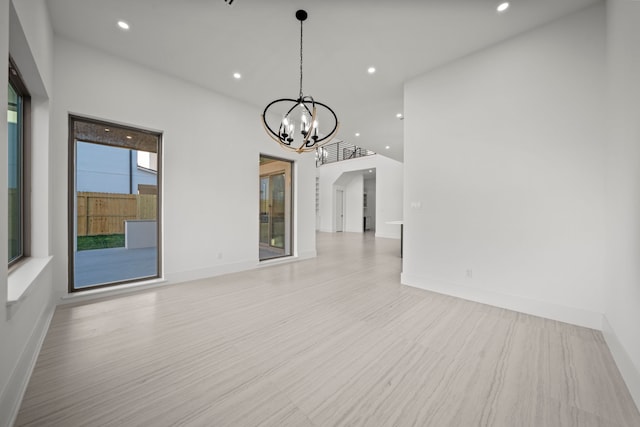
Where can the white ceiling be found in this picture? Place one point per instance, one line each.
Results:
(206, 41)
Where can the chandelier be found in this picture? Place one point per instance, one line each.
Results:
(295, 123)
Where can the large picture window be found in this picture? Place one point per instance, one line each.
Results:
(114, 219)
(17, 118)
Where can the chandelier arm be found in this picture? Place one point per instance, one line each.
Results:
(269, 131)
(292, 108)
(264, 115)
(317, 144)
(305, 141)
(330, 135)
(282, 145)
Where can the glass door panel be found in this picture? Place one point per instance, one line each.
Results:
(264, 210)
(275, 208)
(277, 211)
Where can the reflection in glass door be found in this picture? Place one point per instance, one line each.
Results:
(264, 210)
(275, 208)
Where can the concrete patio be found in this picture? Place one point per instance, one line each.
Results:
(99, 266)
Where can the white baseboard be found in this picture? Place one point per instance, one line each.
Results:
(16, 386)
(216, 270)
(174, 278)
(388, 235)
(307, 254)
(122, 289)
(575, 316)
(627, 369)
(237, 267)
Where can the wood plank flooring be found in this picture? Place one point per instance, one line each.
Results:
(331, 341)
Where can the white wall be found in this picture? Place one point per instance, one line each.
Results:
(211, 149)
(8, 360)
(354, 193)
(389, 196)
(389, 175)
(25, 32)
(504, 173)
(622, 279)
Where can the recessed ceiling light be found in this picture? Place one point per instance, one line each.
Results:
(387, 147)
(123, 25)
(237, 76)
(371, 70)
(503, 6)
(399, 115)
(357, 133)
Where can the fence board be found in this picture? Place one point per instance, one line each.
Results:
(105, 213)
(147, 206)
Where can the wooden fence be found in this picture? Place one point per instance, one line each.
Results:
(105, 213)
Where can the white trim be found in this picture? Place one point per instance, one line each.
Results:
(628, 370)
(388, 235)
(287, 259)
(13, 393)
(180, 277)
(307, 254)
(575, 316)
(203, 273)
(108, 291)
(23, 276)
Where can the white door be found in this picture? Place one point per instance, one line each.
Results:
(339, 210)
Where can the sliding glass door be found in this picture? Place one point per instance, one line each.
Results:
(275, 208)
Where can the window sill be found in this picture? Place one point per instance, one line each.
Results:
(113, 290)
(23, 276)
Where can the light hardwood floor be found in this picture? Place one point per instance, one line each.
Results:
(330, 341)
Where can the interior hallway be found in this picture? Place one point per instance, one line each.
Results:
(334, 340)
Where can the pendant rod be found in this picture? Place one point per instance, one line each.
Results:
(301, 21)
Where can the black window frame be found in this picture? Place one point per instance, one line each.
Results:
(17, 82)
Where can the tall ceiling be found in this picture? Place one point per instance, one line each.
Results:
(206, 41)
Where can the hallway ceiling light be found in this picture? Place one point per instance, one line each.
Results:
(123, 25)
(237, 76)
(371, 70)
(387, 147)
(299, 127)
